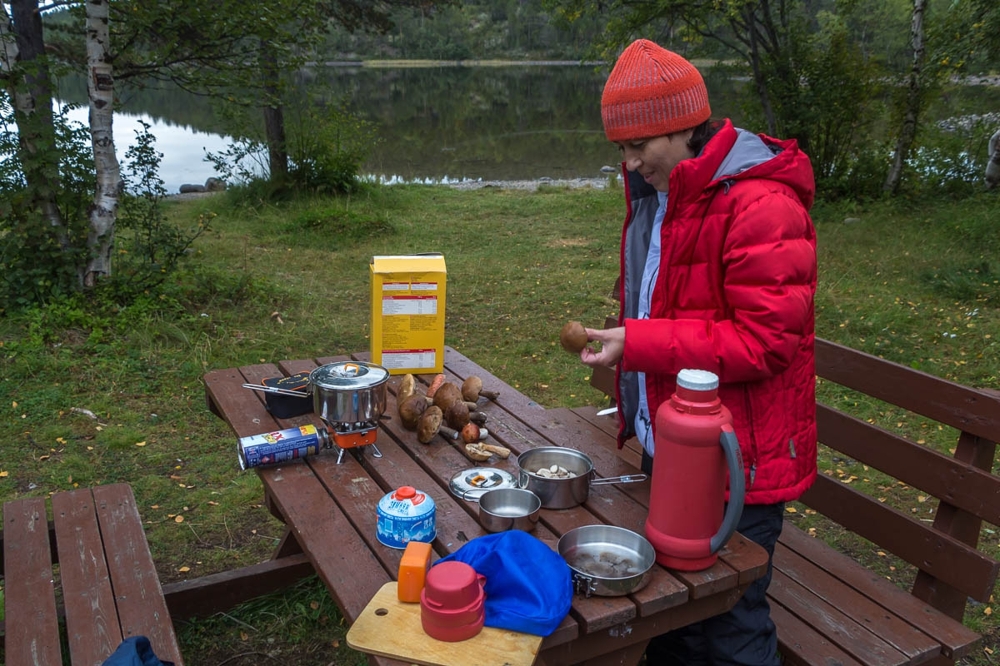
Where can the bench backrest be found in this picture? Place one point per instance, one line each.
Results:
(944, 550)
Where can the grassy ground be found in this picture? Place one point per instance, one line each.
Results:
(93, 394)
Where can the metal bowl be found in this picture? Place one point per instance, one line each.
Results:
(607, 561)
(505, 509)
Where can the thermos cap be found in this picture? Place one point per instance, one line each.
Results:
(697, 380)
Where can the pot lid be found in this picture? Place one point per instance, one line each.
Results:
(347, 375)
(471, 484)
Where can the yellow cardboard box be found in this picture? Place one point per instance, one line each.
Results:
(408, 306)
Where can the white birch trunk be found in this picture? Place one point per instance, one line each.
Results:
(100, 86)
(908, 132)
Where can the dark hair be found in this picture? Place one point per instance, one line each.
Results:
(702, 134)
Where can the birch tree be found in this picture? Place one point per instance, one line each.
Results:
(100, 89)
(911, 111)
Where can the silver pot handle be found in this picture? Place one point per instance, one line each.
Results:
(278, 391)
(627, 478)
(583, 584)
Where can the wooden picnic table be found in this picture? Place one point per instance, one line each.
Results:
(329, 510)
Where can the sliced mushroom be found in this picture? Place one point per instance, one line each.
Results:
(501, 451)
(476, 452)
(472, 389)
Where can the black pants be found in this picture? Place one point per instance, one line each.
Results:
(743, 636)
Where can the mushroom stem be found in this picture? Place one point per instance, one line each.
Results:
(447, 433)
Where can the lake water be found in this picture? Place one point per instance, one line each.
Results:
(435, 123)
(440, 123)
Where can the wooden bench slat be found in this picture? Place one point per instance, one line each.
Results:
(956, 638)
(800, 645)
(32, 625)
(946, 558)
(142, 609)
(964, 408)
(882, 622)
(966, 487)
(831, 622)
(91, 614)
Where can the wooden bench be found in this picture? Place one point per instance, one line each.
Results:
(91, 566)
(828, 608)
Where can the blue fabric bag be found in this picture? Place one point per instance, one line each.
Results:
(135, 651)
(529, 587)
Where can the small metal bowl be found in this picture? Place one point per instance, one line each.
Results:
(505, 509)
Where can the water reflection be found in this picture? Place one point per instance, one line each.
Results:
(435, 123)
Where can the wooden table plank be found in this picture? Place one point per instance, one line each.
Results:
(343, 561)
(142, 610)
(91, 616)
(32, 626)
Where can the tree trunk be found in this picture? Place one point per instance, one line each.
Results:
(274, 116)
(911, 113)
(758, 74)
(100, 88)
(22, 64)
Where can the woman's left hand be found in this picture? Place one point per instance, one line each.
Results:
(612, 346)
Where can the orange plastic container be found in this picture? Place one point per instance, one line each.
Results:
(413, 571)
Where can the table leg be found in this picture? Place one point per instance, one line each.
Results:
(288, 545)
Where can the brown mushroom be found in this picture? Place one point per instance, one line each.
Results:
(470, 433)
(573, 337)
(410, 411)
(472, 389)
(447, 394)
(407, 387)
(457, 415)
(429, 423)
(432, 423)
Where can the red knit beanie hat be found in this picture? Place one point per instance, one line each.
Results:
(652, 92)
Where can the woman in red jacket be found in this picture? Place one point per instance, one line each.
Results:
(718, 273)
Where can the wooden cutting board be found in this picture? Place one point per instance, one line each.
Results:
(390, 628)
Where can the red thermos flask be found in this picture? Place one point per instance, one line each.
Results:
(695, 451)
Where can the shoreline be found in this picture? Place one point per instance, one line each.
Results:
(570, 183)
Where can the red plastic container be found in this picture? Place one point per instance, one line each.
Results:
(452, 603)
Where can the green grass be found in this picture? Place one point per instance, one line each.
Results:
(90, 393)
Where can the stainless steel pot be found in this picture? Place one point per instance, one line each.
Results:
(503, 509)
(349, 392)
(562, 493)
(607, 561)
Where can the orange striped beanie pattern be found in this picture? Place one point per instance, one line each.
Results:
(652, 92)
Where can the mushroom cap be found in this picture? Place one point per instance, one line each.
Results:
(428, 424)
(471, 388)
(457, 415)
(573, 337)
(446, 395)
(410, 411)
(470, 433)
